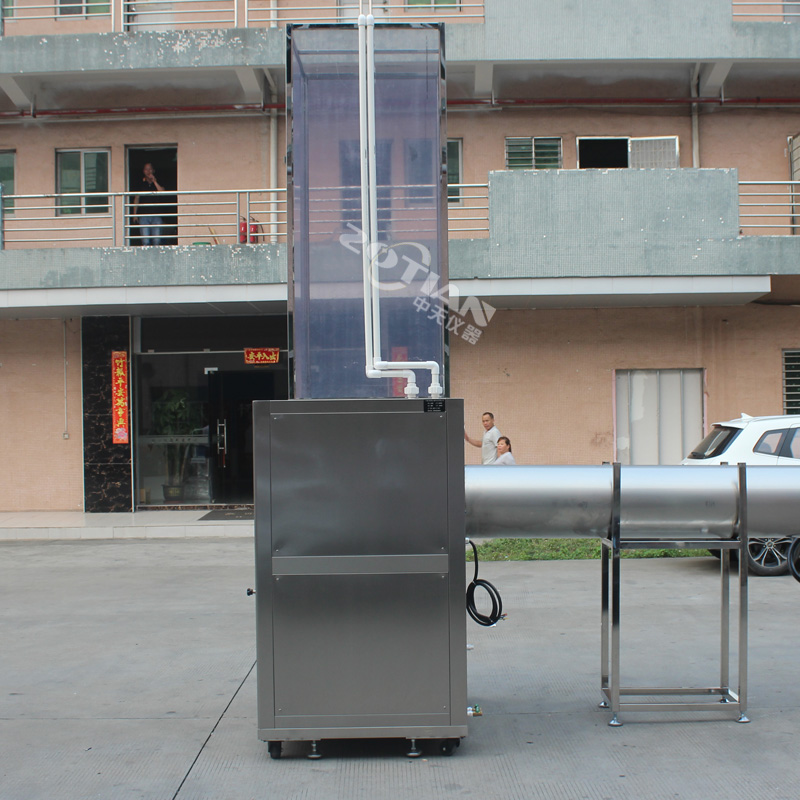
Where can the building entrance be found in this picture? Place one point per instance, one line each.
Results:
(231, 396)
(193, 406)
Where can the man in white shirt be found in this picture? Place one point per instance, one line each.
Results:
(488, 444)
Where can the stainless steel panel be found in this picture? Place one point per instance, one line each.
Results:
(350, 645)
(360, 569)
(378, 487)
(773, 501)
(354, 565)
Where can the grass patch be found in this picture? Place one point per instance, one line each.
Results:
(563, 550)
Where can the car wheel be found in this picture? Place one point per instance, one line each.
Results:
(734, 556)
(768, 556)
(794, 559)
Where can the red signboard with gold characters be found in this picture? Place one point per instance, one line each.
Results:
(262, 355)
(119, 397)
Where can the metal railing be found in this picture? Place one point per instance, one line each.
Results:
(235, 216)
(125, 15)
(244, 216)
(769, 207)
(760, 11)
(257, 216)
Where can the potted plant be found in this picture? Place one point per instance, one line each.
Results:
(174, 415)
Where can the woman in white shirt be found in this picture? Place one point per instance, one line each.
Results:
(504, 457)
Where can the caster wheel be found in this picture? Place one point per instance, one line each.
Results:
(448, 746)
(275, 749)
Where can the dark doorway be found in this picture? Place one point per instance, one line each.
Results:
(603, 153)
(164, 159)
(231, 396)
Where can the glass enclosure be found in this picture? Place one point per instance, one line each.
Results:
(326, 273)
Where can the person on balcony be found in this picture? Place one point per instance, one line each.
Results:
(150, 218)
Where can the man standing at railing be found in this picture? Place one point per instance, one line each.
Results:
(150, 221)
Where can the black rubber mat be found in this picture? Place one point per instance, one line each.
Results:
(221, 514)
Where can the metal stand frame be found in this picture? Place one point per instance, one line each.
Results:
(611, 610)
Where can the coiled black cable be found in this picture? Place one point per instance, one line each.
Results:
(497, 603)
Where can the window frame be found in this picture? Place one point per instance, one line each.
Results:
(65, 208)
(82, 8)
(454, 197)
(764, 438)
(531, 161)
(8, 205)
(433, 5)
(628, 139)
(791, 381)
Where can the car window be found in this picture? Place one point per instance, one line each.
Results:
(770, 443)
(717, 441)
(792, 447)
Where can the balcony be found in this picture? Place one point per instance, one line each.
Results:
(518, 236)
(258, 216)
(243, 216)
(765, 11)
(38, 17)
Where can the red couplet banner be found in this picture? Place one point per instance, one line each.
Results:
(119, 397)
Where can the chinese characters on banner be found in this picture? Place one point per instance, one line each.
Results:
(119, 397)
(262, 355)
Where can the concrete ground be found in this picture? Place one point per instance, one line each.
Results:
(127, 672)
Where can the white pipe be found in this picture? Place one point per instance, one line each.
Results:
(375, 366)
(694, 88)
(368, 213)
(273, 157)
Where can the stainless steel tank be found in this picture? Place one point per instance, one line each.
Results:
(656, 502)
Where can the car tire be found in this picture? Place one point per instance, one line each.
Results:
(794, 559)
(768, 556)
(734, 556)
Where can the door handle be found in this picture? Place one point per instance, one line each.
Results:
(222, 440)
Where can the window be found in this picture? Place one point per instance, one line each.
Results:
(83, 7)
(659, 415)
(7, 158)
(80, 172)
(533, 152)
(421, 172)
(770, 443)
(350, 172)
(715, 443)
(431, 3)
(8, 9)
(793, 450)
(454, 167)
(791, 381)
(622, 152)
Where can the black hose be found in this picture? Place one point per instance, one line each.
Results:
(794, 559)
(497, 603)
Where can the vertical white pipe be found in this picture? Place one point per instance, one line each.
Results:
(373, 187)
(364, 153)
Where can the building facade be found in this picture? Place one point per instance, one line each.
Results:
(622, 192)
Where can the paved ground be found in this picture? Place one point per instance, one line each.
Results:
(127, 672)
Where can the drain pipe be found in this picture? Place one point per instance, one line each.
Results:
(375, 366)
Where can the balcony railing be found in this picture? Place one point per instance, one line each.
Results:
(258, 216)
(31, 17)
(760, 11)
(109, 220)
(243, 216)
(769, 207)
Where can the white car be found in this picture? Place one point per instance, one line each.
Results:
(756, 441)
